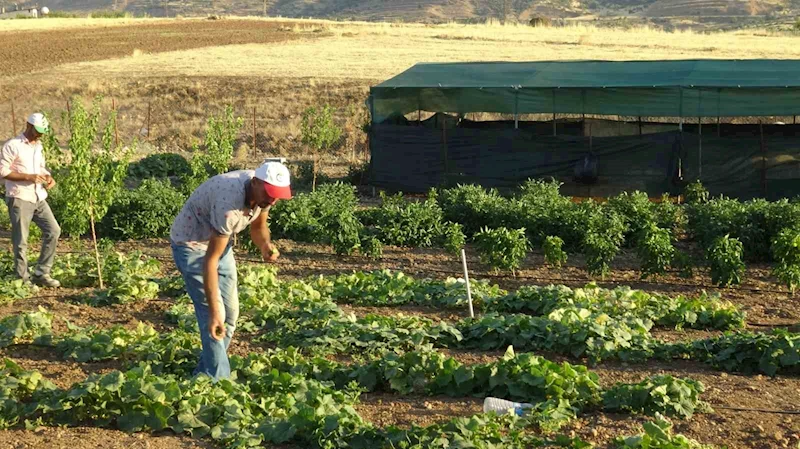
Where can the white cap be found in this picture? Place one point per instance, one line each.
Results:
(39, 122)
(276, 180)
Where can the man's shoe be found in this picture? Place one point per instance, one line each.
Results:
(46, 281)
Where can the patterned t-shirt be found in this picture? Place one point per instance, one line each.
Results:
(217, 205)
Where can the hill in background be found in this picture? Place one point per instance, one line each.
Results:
(709, 14)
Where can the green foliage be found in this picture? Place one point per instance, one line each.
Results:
(662, 394)
(31, 326)
(684, 263)
(554, 255)
(725, 258)
(452, 237)
(221, 133)
(569, 330)
(502, 248)
(603, 234)
(303, 218)
(655, 250)
(14, 289)
(319, 130)
(145, 212)
(217, 154)
(768, 353)
(399, 222)
(695, 193)
(702, 312)
(636, 211)
(160, 165)
(658, 435)
(600, 250)
(471, 206)
(371, 247)
(20, 393)
(129, 279)
(5, 220)
(94, 177)
(786, 253)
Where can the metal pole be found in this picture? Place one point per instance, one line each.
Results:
(466, 281)
(255, 153)
(516, 109)
(554, 113)
(444, 146)
(763, 160)
(700, 148)
(640, 126)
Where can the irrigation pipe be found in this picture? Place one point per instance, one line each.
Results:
(759, 410)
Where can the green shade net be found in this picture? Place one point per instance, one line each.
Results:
(695, 88)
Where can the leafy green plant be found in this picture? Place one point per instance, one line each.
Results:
(129, 279)
(14, 289)
(768, 353)
(371, 247)
(725, 258)
(471, 206)
(29, 326)
(662, 394)
(658, 435)
(600, 250)
(684, 263)
(221, 134)
(399, 222)
(95, 174)
(452, 237)
(786, 253)
(159, 165)
(554, 255)
(695, 193)
(636, 211)
(145, 212)
(502, 248)
(320, 132)
(655, 250)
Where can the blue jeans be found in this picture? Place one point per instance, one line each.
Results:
(214, 358)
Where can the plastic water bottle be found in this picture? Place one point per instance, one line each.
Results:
(501, 406)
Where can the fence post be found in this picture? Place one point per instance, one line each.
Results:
(13, 120)
(116, 131)
(148, 119)
(255, 153)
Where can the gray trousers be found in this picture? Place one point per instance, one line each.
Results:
(21, 214)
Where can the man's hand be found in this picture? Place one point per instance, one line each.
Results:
(50, 182)
(270, 253)
(216, 326)
(37, 179)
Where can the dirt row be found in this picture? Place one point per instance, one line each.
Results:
(34, 51)
(764, 301)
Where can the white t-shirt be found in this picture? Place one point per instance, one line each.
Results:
(217, 205)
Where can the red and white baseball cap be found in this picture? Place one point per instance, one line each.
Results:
(276, 180)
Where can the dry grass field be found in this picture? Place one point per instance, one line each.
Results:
(183, 70)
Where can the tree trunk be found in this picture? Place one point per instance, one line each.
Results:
(96, 251)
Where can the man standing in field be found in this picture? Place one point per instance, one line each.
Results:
(22, 166)
(201, 246)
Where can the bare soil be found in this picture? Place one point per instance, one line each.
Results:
(768, 305)
(62, 46)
